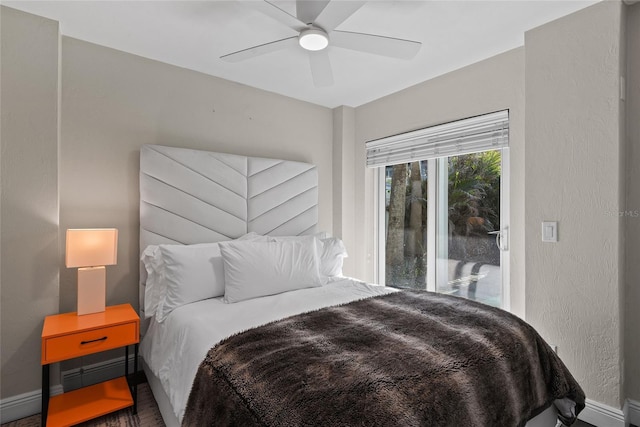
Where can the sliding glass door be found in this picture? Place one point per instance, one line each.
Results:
(469, 227)
(445, 225)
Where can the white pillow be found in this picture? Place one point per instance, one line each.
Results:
(191, 273)
(331, 251)
(254, 268)
(181, 274)
(332, 257)
(153, 264)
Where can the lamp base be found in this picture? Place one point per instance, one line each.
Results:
(91, 290)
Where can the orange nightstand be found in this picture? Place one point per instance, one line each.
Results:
(65, 336)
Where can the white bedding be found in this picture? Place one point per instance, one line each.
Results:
(174, 349)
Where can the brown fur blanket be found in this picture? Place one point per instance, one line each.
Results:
(406, 359)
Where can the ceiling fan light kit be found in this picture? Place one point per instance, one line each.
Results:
(313, 39)
(314, 21)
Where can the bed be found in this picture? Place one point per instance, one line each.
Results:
(250, 356)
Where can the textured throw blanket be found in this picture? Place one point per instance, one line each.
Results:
(406, 359)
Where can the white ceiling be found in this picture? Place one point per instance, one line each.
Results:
(194, 34)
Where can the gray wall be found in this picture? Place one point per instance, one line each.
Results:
(343, 181)
(29, 245)
(573, 175)
(632, 233)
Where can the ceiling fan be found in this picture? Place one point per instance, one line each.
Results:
(316, 22)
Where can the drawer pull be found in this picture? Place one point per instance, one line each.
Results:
(90, 341)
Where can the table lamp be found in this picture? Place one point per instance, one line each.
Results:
(91, 250)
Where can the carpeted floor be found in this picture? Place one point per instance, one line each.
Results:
(148, 415)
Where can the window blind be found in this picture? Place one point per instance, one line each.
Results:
(472, 135)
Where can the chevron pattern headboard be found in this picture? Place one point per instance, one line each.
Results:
(191, 196)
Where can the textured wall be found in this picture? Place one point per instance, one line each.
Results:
(29, 247)
(573, 173)
(491, 85)
(632, 318)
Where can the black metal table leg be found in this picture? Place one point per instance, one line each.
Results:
(45, 394)
(135, 380)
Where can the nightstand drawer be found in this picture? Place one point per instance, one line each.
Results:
(87, 342)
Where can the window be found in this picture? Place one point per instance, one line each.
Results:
(443, 208)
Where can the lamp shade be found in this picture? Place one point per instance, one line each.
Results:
(91, 247)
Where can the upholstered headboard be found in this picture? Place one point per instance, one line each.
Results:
(192, 196)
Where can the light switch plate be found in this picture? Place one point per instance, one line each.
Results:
(549, 231)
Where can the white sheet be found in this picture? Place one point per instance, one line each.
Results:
(174, 349)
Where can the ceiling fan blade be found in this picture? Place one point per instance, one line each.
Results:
(321, 68)
(308, 10)
(378, 45)
(276, 13)
(262, 49)
(336, 12)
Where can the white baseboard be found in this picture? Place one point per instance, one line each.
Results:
(24, 405)
(601, 415)
(632, 412)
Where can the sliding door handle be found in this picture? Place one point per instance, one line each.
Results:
(502, 238)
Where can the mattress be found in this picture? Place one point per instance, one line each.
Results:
(174, 349)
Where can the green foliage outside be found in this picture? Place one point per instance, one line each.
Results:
(474, 202)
